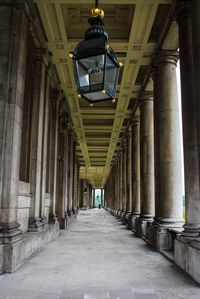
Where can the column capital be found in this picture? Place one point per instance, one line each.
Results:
(165, 57)
(135, 120)
(40, 53)
(146, 96)
(182, 10)
(129, 132)
(55, 94)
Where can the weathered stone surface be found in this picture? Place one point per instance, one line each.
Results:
(15, 254)
(123, 266)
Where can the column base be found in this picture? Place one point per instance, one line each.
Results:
(63, 222)
(132, 221)
(142, 224)
(118, 212)
(187, 256)
(53, 219)
(16, 253)
(160, 237)
(126, 217)
(44, 221)
(35, 224)
(10, 233)
(190, 231)
(122, 215)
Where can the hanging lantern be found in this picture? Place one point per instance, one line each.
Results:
(95, 63)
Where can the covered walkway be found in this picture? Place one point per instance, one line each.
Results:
(97, 258)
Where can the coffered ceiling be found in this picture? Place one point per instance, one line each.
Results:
(134, 28)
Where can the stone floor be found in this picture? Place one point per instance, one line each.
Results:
(97, 258)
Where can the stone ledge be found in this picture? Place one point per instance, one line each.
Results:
(15, 254)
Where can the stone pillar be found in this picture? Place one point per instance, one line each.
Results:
(120, 183)
(35, 223)
(124, 188)
(128, 176)
(13, 49)
(186, 246)
(135, 171)
(118, 186)
(75, 186)
(54, 152)
(93, 201)
(70, 170)
(101, 197)
(146, 164)
(46, 96)
(189, 118)
(168, 180)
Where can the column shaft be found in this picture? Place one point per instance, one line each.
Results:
(146, 164)
(168, 142)
(147, 156)
(129, 171)
(136, 165)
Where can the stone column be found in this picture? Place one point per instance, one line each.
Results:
(75, 186)
(194, 212)
(146, 164)
(70, 171)
(54, 154)
(128, 175)
(93, 201)
(13, 49)
(46, 96)
(189, 118)
(186, 248)
(118, 186)
(35, 223)
(135, 171)
(62, 172)
(120, 183)
(124, 194)
(101, 197)
(168, 151)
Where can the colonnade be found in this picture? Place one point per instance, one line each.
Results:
(157, 204)
(40, 187)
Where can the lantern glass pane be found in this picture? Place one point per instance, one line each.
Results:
(94, 67)
(110, 74)
(82, 75)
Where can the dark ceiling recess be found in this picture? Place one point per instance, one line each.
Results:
(159, 21)
(141, 74)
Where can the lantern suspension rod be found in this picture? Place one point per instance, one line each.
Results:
(96, 3)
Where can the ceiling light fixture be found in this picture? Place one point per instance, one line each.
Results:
(95, 63)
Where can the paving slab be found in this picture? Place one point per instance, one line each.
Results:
(98, 258)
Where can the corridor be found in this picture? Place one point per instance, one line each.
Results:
(97, 258)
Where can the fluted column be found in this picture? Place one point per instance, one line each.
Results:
(146, 164)
(135, 170)
(167, 149)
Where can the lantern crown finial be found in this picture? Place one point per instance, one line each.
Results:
(97, 12)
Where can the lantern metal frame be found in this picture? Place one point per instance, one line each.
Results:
(95, 45)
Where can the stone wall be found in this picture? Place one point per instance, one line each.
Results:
(38, 191)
